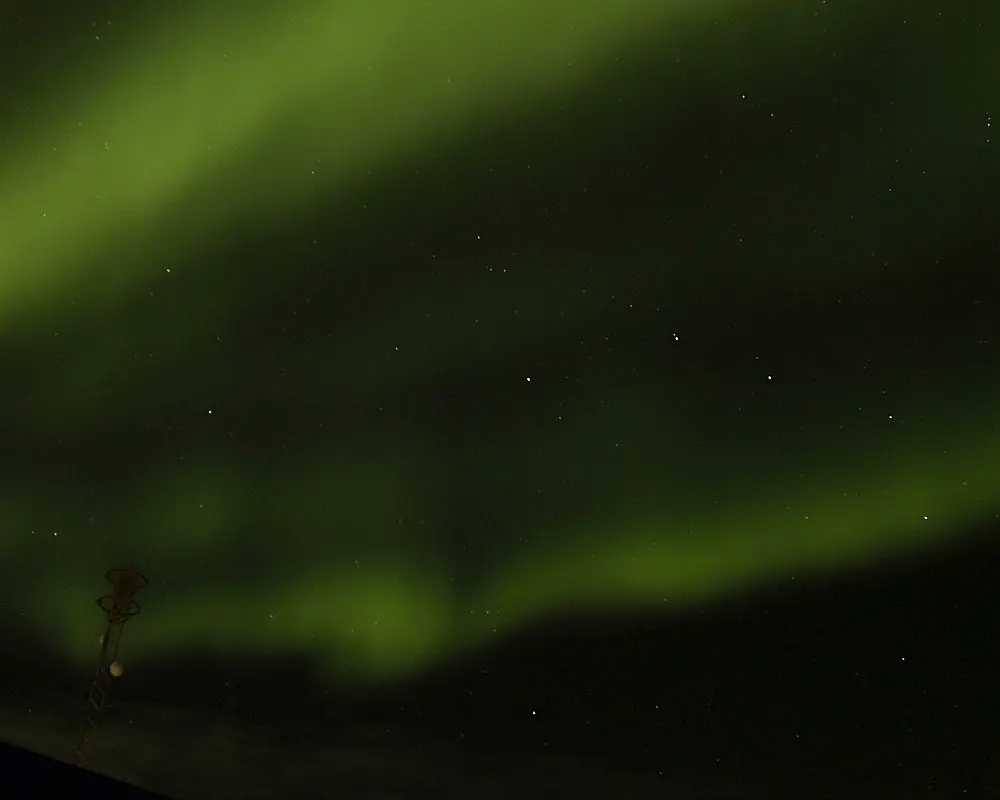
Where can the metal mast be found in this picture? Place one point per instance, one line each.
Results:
(120, 606)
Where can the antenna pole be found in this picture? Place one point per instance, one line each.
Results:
(120, 606)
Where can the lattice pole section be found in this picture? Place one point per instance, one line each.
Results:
(120, 606)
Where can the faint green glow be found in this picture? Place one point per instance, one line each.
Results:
(329, 577)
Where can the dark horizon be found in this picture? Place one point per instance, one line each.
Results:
(875, 677)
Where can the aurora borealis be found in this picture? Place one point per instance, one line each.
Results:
(88, 229)
(376, 332)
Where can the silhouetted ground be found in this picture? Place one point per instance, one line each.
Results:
(173, 753)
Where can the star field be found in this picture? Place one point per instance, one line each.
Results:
(383, 338)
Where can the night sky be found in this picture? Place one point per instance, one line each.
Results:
(571, 398)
